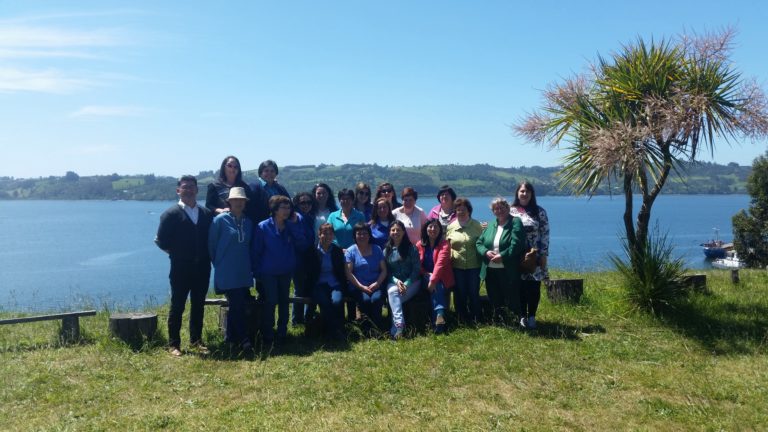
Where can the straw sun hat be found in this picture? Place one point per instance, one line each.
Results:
(237, 193)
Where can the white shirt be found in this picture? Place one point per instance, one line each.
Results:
(192, 212)
(496, 241)
(412, 222)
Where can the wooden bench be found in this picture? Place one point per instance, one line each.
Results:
(70, 323)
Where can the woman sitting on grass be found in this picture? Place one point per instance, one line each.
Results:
(327, 275)
(366, 272)
(435, 257)
(403, 270)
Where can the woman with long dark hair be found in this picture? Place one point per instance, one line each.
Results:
(536, 226)
(403, 270)
(230, 175)
(435, 257)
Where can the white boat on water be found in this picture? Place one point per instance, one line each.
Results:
(729, 263)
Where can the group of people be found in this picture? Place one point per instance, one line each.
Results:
(370, 248)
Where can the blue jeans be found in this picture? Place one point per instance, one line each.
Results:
(467, 293)
(396, 301)
(437, 297)
(330, 300)
(238, 302)
(369, 305)
(276, 288)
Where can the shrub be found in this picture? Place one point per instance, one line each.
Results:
(652, 277)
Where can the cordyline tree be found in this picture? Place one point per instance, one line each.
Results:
(638, 115)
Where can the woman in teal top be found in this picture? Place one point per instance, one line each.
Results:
(344, 219)
(403, 274)
(501, 246)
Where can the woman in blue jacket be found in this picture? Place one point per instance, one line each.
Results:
(229, 240)
(273, 253)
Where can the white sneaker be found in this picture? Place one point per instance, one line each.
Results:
(523, 322)
(532, 322)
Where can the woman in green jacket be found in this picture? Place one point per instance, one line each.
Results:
(501, 246)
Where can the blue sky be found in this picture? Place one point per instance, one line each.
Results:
(171, 87)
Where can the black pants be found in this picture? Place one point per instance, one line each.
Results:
(503, 293)
(530, 293)
(187, 280)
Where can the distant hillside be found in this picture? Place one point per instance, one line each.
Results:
(469, 180)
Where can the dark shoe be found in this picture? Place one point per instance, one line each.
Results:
(440, 324)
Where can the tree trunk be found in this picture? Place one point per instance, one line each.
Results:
(133, 327)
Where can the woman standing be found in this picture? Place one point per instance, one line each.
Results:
(344, 219)
(230, 175)
(229, 241)
(403, 270)
(536, 226)
(325, 204)
(445, 210)
(273, 253)
(462, 235)
(363, 200)
(304, 204)
(386, 190)
(380, 222)
(412, 216)
(366, 272)
(327, 276)
(501, 246)
(435, 257)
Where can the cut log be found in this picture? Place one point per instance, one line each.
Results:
(133, 327)
(564, 290)
(695, 282)
(735, 276)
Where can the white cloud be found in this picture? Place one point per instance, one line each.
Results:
(110, 111)
(47, 37)
(45, 81)
(30, 44)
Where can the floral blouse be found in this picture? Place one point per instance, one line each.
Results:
(536, 235)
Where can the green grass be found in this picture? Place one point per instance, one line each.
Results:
(127, 183)
(590, 366)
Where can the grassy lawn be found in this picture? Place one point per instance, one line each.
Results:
(590, 366)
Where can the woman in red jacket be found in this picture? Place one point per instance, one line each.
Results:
(435, 255)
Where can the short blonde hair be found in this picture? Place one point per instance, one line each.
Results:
(500, 201)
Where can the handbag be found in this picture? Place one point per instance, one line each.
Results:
(530, 261)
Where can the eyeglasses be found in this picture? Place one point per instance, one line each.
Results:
(362, 192)
(305, 202)
(232, 166)
(387, 191)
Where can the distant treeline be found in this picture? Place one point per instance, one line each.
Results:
(468, 180)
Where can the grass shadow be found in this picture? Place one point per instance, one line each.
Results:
(724, 328)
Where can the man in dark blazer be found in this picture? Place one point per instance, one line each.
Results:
(183, 234)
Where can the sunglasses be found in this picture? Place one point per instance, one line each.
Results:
(305, 202)
(232, 166)
(387, 191)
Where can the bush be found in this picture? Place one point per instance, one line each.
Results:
(652, 278)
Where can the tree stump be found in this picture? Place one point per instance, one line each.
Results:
(735, 276)
(564, 290)
(695, 282)
(133, 327)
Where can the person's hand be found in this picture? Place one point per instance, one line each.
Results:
(374, 286)
(431, 286)
(496, 258)
(401, 287)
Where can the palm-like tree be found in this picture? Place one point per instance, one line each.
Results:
(644, 111)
